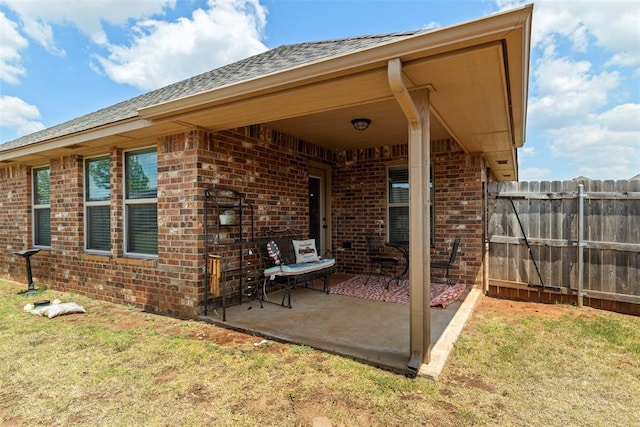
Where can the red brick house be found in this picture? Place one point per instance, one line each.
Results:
(114, 199)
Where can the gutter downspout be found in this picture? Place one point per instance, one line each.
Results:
(416, 109)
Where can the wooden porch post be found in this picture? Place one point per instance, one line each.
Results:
(420, 226)
(416, 108)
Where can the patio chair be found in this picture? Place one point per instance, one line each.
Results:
(379, 259)
(448, 265)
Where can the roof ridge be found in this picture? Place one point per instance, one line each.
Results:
(353, 38)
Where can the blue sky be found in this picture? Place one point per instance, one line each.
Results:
(65, 58)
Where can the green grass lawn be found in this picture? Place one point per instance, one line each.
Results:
(516, 363)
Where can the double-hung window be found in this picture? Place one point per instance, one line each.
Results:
(97, 204)
(141, 203)
(41, 207)
(398, 203)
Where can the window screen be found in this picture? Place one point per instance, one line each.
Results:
(97, 202)
(398, 214)
(142, 222)
(398, 203)
(41, 207)
(141, 186)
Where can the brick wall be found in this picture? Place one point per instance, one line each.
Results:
(15, 219)
(359, 201)
(360, 204)
(269, 167)
(458, 208)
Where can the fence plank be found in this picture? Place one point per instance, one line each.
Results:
(569, 275)
(595, 234)
(556, 255)
(497, 227)
(633, 219)
(634, 274)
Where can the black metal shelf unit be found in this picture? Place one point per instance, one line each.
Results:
(231, 259)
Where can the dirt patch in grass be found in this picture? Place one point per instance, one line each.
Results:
(511, 310)
(119, 317)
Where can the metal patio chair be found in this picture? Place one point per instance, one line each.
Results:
(448, 265)
(378, 258)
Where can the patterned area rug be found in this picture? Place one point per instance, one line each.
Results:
(441, 294)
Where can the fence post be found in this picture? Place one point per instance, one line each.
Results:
(580, 242)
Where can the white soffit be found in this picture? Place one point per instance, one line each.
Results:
(470, 95)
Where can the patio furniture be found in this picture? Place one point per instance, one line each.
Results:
(403, 247)
(378, 258)
(289, 260)
(448, 265)
(27, 254)
(230, 276)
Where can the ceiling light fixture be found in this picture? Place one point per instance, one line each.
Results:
(360, 124)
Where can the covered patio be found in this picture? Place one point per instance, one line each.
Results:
(370, 331)
(461, 87)
(447, 112)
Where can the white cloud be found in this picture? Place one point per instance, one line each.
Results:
(87, 16)
(11, 67)
(157, 53)
(526, 152)
(530, 173)
(605, 147)
(612, 25)
(626, 59)
(42, 33)
(583, 104)
(17, 114)
(534, 174)
(623, 118)
(165, 52)
(433, 25)
(567, 90)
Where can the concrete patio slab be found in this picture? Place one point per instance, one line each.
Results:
(370, 331)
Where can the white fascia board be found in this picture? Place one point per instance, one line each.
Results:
(38, 148)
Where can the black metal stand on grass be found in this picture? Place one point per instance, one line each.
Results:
(27, 254)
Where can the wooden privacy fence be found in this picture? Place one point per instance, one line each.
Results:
(541, 233)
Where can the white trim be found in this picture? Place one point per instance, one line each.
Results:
(390, 205)
(323, 245)
(89, 135)
(126, 202)
(87, 204)
(35, 206)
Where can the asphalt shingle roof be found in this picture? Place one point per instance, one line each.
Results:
(271, 61)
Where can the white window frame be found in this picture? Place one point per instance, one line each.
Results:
(89, 203)
(388, 195)
(132, 202)
(41, 206)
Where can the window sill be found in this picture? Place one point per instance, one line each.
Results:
(139, 262)
(87, 256)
